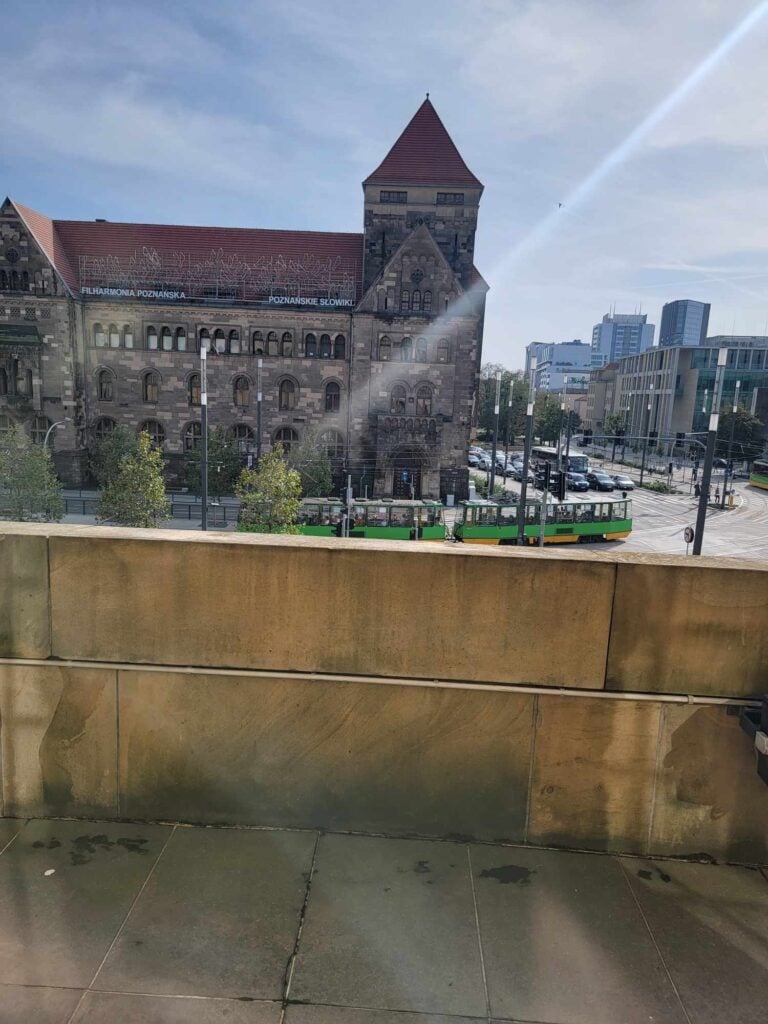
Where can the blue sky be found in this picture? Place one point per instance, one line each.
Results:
(270, 114)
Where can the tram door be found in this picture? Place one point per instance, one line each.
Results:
(407, 479)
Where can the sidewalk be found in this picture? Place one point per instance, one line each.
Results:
(109, 922)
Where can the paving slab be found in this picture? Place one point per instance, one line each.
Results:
(563, 941)
(9, 827)
(65, 888)
(119, 1008)
(35, 1004)
(219, 917)
(390, 924)
(350, 1015)
(711, 925)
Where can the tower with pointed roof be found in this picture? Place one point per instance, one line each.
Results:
(423, 180)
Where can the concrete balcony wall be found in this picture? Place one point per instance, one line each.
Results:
(344, 685)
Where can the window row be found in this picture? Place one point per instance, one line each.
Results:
(221, 342)
(192, 435)
(287, 392)
(442, 199)
(398, 400)
(415, 302)
(15, 380)
(403, 350)
(13, 281)
(38, 430)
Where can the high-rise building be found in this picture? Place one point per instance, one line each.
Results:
(558, 361)
(619, 335)
(684, 322)
(533, 351)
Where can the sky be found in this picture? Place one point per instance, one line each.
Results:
(270, 114)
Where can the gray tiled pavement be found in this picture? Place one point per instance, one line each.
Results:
(105, 922)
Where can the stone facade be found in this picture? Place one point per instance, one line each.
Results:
(388, 385)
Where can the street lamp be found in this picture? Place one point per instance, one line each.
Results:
(648, 434)
(729, 467)
(526, 453)
(53, 426)
(626, 427)
(701, 516)
(204, 430)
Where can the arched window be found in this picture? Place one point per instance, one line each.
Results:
(406, 350)
(310, 346)
(219, 342)
(114, 336)
(128, 336)
(3, 381)
(193, 436)
(103, 428)
(27, 388)
(166, 339)
(6, 426)
(242, 392)
(416, 302)
(151, 338)
(258, 343)
(272, 349)
(397, 400)
(150, 387)
(14, 281)
(99, 337)
(426, 302)
(340, 347)
(181, 339)
(385, 349)
(442, 350)
(242, 435)
(40, 426)
(332, 396)
(234, 343)
(193, 389)
(3, 281)
(334, 443)
(155, 430)
(105, 386)
(205, 341)
(325, 346)
(24, 281)
(287, 344)
(422, 350)
(287, 395)
(424, 400)
(405, 301)
(286, 437)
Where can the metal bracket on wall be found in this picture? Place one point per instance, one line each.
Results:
(754, 722)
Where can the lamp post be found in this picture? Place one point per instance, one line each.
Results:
(626, 426)
(509, 425)
(701, 516)
(496, 406)
(204, 431)
(729, 470)
(526, 454)
(54, 426)
(259, 365)
(647, 434)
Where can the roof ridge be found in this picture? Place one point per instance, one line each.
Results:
(199, 227)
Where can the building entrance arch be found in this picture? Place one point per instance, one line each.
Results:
(406, 478)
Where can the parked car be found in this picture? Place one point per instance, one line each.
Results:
(719, 464)
(600, 481)
(624, 483)
(472, 460)
(517, 474)
(576, 482)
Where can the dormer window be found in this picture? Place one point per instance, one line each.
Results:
(393, 197)
(450, 198)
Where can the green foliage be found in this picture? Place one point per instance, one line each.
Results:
(614, 422)
(311, 462)
(223, 465)
(29, 488)
(269, 496)
(749, 433)
(659, 487)
(548, 418)
(107, 456)
(487, 397)
(135, 496)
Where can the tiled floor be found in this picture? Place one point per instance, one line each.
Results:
(150, 923)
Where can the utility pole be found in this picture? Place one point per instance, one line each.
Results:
(701, 516)
(526, 454)
(560, 428)
(544, 495)
(509, 424)
(647, 435)
(204, 429)
(729, 470)
(259, 364)
(496, 406)
(626, 427)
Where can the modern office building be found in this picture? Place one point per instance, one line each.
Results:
(619, 335)
(560, 362)
(684, 322)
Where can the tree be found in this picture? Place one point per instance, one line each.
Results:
(136, 496)
(548, 418)
(748, 434)
(487, 397)
(269, 495)
(108, 454)
(614, 422)
(223, 465)
(310, 460)
(29, 488)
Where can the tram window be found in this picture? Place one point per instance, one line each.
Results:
(358, 515)
(629, 509)
(401, 515)
(605, 513)
(332, 514)
(377, 515)
(585, 513)
(430, 516)
(531, 514)
(619, 510)
(551, 513)
(508, 514)
(565, 513)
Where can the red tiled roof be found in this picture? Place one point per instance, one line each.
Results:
(65, 241)
(423, 155)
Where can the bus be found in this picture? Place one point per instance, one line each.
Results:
(568, 522)
(759, 475)
(385, 518)
(576, 463)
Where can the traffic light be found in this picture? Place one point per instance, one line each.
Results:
(558, 485)
(653, 435)
(679, 438)
(620, 433)
(547, 475)
(587, 437)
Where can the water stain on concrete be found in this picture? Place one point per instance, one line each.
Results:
(52, 844)
(422, 867)
(509, 874)
(86, 846)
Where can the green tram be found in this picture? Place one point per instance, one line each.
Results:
(385, 518)
(759, 475)
(568, 522)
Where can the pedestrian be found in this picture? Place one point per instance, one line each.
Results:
(717, 494)
(697, 489)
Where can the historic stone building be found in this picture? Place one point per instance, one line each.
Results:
(372, 341)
